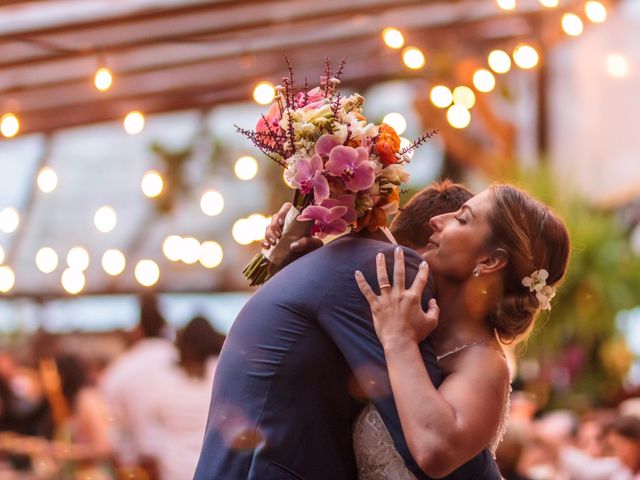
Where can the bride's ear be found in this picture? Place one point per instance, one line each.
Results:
(495, 262)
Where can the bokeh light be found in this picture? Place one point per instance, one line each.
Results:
(550, 3)
(152, 183)
(484, 81)
(78, 259)
(572, 24)
(458, 116)
(73, 281)
(525, 56)
(172, 247)
(9, 125)
(506, 4)
(46, 260)
(190, 250)
(264, 93)
(7, 279)
(134, 122)
(47, 180)
(499, 61)
(105, 219)
(1, 254)
(103, 79)
(393, 38)
(147, 273)
(617, 65)
(396, 121)
(241, 231)
(212, 203)
(246, 168)
(413, 58)
(9, 219)
(596, 11)
(441, 96)
(464, 96)
(113, 262)
(211, 254)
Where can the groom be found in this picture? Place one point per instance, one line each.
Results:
(303, 355)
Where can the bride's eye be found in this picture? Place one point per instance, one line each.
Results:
(461, 220)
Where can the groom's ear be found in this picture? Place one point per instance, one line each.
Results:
(496, 261)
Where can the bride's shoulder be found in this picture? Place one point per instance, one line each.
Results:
(482, 358)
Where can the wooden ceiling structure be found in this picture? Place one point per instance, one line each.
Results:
(169, 55)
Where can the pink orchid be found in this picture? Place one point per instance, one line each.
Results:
(345, 200)
(328, 221)
(353, 165)
(326, 143)
(314, 99)
(273, 120)
(309, 178)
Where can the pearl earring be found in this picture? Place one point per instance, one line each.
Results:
(476, 272)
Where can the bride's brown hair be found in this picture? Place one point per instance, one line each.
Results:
(533, 238)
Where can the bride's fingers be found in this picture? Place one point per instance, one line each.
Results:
(365, 288)
(421, 279)
(398, 268)
(433, 313)
(381, 270)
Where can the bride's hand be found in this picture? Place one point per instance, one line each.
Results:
(274, 232)
(397, 311)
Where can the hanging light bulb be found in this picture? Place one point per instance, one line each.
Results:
(507, 4)
(525, 56)
(47, 180)
(211, 254)
(572, 24)
(113, 262)
(458, 116)
(393, 38)
(246, 168)
(73, 281)
(134, 122)
(441, 96)
(264, 93)
(7, 279)
(172, 247)
(596, 11)
(9, 220)
(395, 121)
(413, 58)
(464, 96)
(78, 259)
(9, 125)
(105, 219)
(499, 61)
(484, 81)
(152, 183)
(190, 250)
(46, 260)
(103, 79)
(147, 273)
(212, 203)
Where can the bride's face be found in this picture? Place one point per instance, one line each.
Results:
(460, 239)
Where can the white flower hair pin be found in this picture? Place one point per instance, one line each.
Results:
(537, 282)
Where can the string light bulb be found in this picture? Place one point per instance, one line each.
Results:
(1, 254)
(413, 58)
(73, 281)
(172, 247)
(484, 81)
(190, 250)
(7, 279)
(525, 56)
(9, 220)
(9, 125)
(134, 122)
(147, 273)
(506, 4)
(596, 11)
(105, 219)
(393, 38)
(212, 203)
(246, 168)
(46, 260)
(264, 93)
(78, 259)
(458, 116)
(441, 96)
(103, 79)
(572, 24)
(47, 180)
(464, 96)
(211, 254)
(550, 3)
(152, 183)
(113, 262)
(499, 61)
(395, 121)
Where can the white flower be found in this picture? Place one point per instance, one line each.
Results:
(537, 282)
(395, 174)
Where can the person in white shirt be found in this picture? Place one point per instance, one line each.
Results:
(127, 390)
(180, 403)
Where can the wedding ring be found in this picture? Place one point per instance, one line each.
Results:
(385, 285)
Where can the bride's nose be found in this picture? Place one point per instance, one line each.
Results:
(436, 222)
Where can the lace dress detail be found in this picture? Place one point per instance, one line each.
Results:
(376, 455)
(375, 452)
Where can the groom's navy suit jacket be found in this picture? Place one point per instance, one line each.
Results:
(298, 360)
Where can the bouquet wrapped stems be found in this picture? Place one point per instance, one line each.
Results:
(266, 263)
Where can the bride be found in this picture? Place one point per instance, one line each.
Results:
(494, 264)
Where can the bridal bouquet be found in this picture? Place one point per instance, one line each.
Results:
(345, 171)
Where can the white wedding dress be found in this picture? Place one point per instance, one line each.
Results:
(376, 455)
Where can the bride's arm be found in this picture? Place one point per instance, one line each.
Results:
(443, 427)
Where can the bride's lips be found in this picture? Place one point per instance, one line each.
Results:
(433, 243)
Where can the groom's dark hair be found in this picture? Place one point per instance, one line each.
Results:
(410, 227)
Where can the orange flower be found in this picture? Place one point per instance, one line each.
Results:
(387, 145)
(372, 220)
